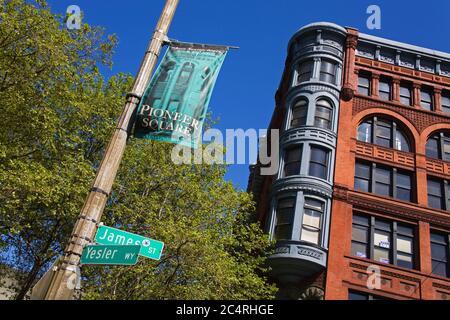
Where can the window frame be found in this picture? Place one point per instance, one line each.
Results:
(292, 217)
(393, 234)
(447, 245)
(445, 107)
(382, 93)
(327, 105)
(443, 139)
(364, 87)
(408, 86)
(304, 226)
(430, 103)
(298, 105)
(317, 163)
(375, 122)
(299, 148)
(444, 195)
(301, 75)
(325, 73)
(393, 183)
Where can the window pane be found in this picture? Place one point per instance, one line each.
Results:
(401, 142)
(439, 252)
(283, 232)
(438, 238)
(328, 72)
(363, 220)
(299, 114)
(446, 156)
(315, 204)
(323, 115)
(383, 225)
(364, 85)
(440, 269)
(352, 295)
(383, 189)
(405, 95)
(312, 218)
(426, 101)
(360, 234)
(434, 187)
(435, 202)
(404, 244)
(318, 155)
(385, 90)
(446, 103)
(433, 148)
(383, 175)
(318, 170)
(404, 230)
(362, 185)
(383, 134)
(362, 170)
(405, 261)
(381, 255)
(310, 236)
(359, 250)
(365, 132)
(305, 71)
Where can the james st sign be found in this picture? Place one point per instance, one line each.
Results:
(149, 248)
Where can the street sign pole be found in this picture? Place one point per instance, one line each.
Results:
(86, 225)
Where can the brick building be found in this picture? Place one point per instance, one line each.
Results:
(364, 173)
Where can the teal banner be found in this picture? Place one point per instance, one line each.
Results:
(175, 104)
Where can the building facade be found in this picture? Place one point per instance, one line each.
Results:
(360, 206)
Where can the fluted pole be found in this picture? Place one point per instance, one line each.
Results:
(62, 284)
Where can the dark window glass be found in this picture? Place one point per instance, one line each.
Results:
(299, 114)
(401, 142)
(328, 71)
(405, 94)
(318, 166)
(362, 177)
(383, 133)
(433, 147)
(312, 221)
(385, 89)
(426, 100)
(285, 216)
(435, 194)
(446, 102)
(383, 181)
(293, 160)
(305, 71)
(403, 186)
(323, 114)
(364, 85)
(440, 254)
(375, 241)
(355, 295)
(365, 131)
(360, 236)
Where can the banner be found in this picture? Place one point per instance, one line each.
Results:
(175, 104)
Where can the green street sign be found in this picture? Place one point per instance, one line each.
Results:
(111, 255)
(149, 248)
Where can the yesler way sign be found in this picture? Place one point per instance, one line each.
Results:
(111, 255)
(149, 248)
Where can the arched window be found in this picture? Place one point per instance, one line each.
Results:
(299, 113)
(385, 133)
(324, 114)
(438, 146)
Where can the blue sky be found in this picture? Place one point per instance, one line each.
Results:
(244, 94)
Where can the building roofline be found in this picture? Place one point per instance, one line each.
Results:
(317, 25)
(405, 47)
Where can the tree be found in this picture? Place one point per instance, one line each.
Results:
(57, 115)
(213, 249)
